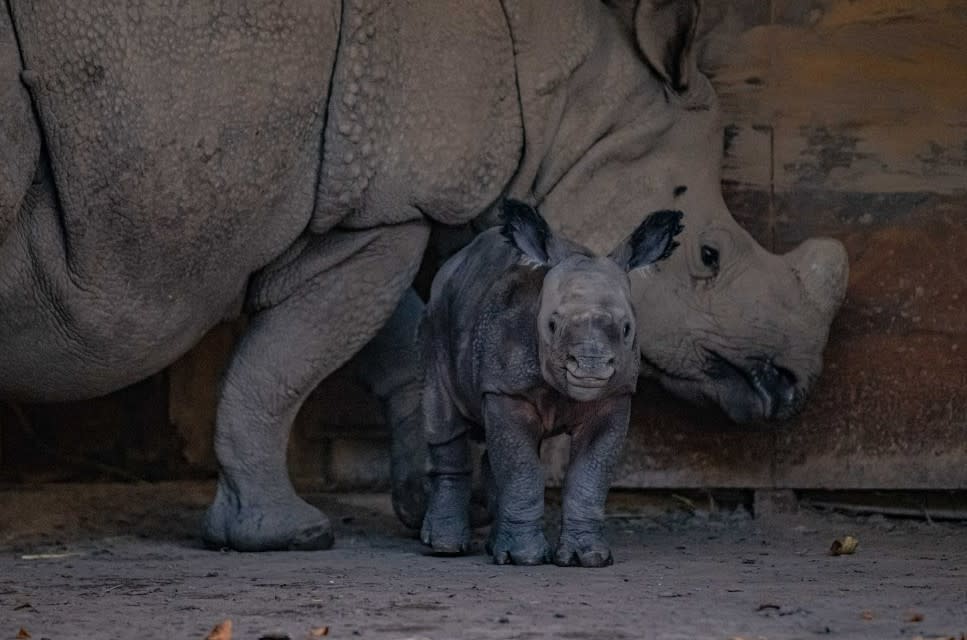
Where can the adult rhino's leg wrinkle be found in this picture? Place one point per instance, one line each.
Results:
(348, 284)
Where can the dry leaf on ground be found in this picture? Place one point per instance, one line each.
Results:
(22, 633)
(914, 616)
(222, 631)
(844, 546)
(50, 556)
(318, 632)
(867, 615)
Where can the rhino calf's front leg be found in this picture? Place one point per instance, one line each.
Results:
(595, 447)
(513, 431)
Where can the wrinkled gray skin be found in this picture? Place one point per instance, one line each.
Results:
(633, 126)
(529, 336)
(165, 166)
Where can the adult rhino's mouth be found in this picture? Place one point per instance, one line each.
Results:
(773, 387)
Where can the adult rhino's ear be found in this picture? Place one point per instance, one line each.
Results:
(653, 240)
(665, 32)
(527, 230)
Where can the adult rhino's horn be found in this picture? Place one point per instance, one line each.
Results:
(823, 268)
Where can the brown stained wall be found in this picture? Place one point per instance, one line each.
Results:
(845, 118)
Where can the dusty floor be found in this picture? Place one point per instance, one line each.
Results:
(75, 564)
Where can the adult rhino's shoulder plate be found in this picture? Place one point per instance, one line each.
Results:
(424, 115)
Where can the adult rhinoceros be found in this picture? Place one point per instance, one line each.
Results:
(630, 126)
(165, 165)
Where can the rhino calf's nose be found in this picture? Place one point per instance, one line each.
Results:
(590, 368)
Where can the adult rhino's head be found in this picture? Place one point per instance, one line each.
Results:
(587, 338)
(636, 129)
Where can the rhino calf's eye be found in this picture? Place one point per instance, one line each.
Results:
(710, 257)
(627, 329)
(552, 326)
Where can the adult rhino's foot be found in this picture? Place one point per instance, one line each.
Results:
(409, 500)
(583, 550)
(522, 544)
(446, 526)
(283, 525)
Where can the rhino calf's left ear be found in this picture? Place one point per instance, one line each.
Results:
(653, 240)
(527, 230)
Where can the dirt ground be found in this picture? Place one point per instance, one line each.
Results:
(122, 561)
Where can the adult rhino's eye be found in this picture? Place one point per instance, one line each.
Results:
(627, 329)
(710, 257)
(552, 326)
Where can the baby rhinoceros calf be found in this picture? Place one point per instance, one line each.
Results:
(530, 335)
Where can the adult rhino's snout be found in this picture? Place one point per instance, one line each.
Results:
(823, 269)
(776, 388)
(776, 392)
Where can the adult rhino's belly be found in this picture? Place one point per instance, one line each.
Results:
(65, 337)
(183, 149)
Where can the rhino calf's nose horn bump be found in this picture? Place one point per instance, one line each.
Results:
(591, 369)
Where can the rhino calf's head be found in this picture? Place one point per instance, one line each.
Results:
(587, 333)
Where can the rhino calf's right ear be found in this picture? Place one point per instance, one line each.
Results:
(524, 228)
(653, 240)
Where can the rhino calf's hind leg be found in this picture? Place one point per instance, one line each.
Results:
(317, 310)
(446, 525)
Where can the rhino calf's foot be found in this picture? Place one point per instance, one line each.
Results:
(288, 524)
(585, 549)
(446, 526)
(520, 544)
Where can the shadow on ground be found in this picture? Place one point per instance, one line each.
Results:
(123, 561)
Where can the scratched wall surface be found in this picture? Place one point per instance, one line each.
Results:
(845, 118)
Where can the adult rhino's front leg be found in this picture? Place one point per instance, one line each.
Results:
(316, 308)
(391, 366)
